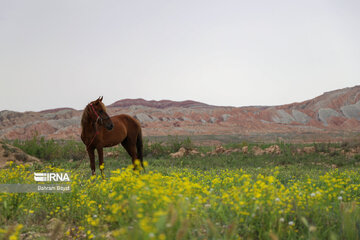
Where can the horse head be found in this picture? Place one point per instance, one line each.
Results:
(98, 112)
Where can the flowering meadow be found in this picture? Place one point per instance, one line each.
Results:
(184, 203)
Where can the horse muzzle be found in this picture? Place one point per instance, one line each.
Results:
(109, 126)
(106, 122)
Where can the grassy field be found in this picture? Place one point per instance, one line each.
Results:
(235, 196)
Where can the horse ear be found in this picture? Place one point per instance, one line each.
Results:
(98, 100)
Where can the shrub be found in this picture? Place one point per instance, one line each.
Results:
(51, 149)
(175, 143)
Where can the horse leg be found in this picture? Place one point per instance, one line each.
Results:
(131, 150)
(92, 160)
(101, 160)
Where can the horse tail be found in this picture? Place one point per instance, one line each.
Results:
(139, 148)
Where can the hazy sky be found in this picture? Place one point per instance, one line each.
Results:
(239, 53)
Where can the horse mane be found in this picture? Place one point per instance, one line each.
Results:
(85, 116)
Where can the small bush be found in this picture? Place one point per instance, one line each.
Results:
(157, 149)
(73, 150)
(322, 147)
(51, 149)
(175, 143)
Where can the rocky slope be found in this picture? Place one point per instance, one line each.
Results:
(10, 153)
(335, 111)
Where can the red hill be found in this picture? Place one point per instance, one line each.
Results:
(334, 114)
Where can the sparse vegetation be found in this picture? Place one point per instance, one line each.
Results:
(51, 149)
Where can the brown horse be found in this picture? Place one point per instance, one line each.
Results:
(99, 131)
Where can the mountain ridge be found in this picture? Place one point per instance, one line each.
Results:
(334, 111)
(158, 104)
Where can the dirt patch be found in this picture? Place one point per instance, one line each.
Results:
(218, 150)
(274, 149)
(257, 151)
(10, 153)
(183, 152)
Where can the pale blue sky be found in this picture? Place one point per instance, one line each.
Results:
(239, 53)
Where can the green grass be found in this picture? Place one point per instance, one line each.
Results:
(58, 153)
(289, 170)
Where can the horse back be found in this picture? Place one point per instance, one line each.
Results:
(132, 125)
(128, 121)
